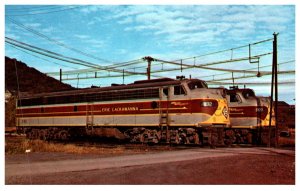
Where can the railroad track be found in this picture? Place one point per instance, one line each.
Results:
(153, 147)
(112, 144)
(130, 146)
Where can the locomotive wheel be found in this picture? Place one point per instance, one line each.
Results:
(249, 138)
(63, 135)
(229, 137)
(28, 134)
(183, 139)
(33, 134)
(196, 139)
(174, 137)
(43, 134)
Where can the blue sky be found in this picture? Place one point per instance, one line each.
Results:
(120, 33)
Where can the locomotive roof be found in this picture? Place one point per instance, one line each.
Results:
(137, 84)
(243, 90)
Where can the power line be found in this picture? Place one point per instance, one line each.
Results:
(194, 57)
(225, 50)
(221, 51)
(90, 70)
(13, 7)
(94, 77)
(187, 66)
(13, 46)
(67, 9)
(61, 57)
(250, 83)
(196, 66)
(32, 9)
(282, 63)
(98, 77)
(55, 41)
(251, 76)
(114, 65)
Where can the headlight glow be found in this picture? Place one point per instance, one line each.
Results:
(206, 104)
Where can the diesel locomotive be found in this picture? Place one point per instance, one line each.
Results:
(249, 117)
(181, 111)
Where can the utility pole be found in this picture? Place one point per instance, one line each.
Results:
(276, 87)
(149, 60)
(274, 78)
(271, 104)
(123, 76)
(60, 74)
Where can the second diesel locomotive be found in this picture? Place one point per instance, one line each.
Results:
(162, 110)
(249, 117)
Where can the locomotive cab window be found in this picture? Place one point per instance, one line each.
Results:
(198, 84)
(235, 98)
(179, 90)
(166, 91)
(248, 94)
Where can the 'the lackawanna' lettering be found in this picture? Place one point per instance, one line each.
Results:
(125, 109)
(107, 109)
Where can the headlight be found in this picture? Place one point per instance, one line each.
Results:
(206, 104)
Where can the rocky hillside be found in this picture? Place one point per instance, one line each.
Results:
(30, 81)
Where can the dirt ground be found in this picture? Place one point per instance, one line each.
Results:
(236, 169)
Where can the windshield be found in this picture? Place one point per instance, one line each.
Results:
(197, 84)
(247, 94)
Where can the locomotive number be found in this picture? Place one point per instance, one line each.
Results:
(259, 109)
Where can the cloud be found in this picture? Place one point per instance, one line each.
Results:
(194, 23)
(90, 9)
(13, 36)
(95, 20)
(81, 36)
(126, 20)
(48, 29)
(33, 25)
(95, 43)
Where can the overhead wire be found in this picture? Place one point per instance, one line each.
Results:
(216, 52)
(48, 12)
(90, 70)
(190, 66)
(33, 9)
(250, 83)
(94, 77)
(225, 50)
(114, 65)
(55, 41)
(186, 66)
(60, 56)
(99, 77)
(27, 7)
(252, 76)
(13, 46)
(282, 63)
(200, 66)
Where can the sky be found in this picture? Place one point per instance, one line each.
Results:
(109, 35)
(120, 33)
